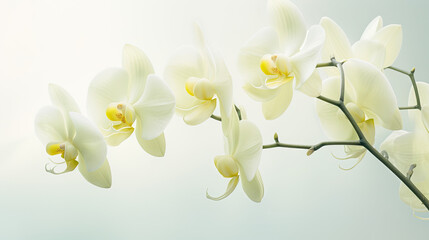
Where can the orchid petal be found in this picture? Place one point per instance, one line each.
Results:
(138, 67)
(50, 125)
(260, 94)
(374, 94)
(334, 122)
(231, 187)
(154, 109)
(410, 198)
(254, 189)
(109, 86)
(155, 147)
(370, 51)
(102, 177)
(187, 62)
(274, 108)
(419, 117)
(114, 138)
(265, 41)
(391, 37)
(289, 23)
(233, 134)
(223, 85)
(89, 142)
(199, 113)
(373, 27)
(312, 86)
(208, 61)
(336, 44)
(62, 99)
(304, 63)
(249, 149)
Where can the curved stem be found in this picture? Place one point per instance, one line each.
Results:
(414, 83)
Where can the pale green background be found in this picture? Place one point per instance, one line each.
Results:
(68, 42)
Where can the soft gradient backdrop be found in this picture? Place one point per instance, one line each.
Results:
(69, 42)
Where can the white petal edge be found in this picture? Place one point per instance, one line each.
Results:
(372, 28)
(249, 149)
(277, 106)
(155, 108)
(155, 147)
(391, 37)
(336, 44)
(102, 177)
(289, 23)
(254, 189)
(374, 94)
(312, 87)
(200, 113)
(62, 99)
(138, 67)
(89, 142)
(50, 125)
(370, 51)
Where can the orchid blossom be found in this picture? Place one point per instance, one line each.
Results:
(275, 56)
(378, 45)
(370, 100)
(118, 97)
(409, 150)
(243, 153)
(198, 75)
(65, 132)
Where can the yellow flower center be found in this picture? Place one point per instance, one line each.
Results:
(226, 166)
(201, 88)
(277, 68)
(68, 152)
(121, 114)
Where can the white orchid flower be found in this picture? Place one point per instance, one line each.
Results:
(369, 98)
(243, 153)
(65, 132)
(275, 56)
(197, 76)
(118, 97)
(378, 45)
(407, 148)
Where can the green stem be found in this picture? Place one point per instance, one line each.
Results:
(217, 118)
(410, 74)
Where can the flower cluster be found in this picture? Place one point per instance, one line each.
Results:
(348, 82)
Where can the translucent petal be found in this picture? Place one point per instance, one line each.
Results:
(254, 188)
(155, 147)
(89, 142)
(62, 99)
(405, 149)
(199, 113)
(185, 63)
(289, 23)
(372, 28)
(233, 134)
(312, 86)
(102, 177)
(208, 61)
(260, 94)
(249, 149)
(370, 51)
(304, 63)
(109, 86)
(409, 198)
(265, 41)
(336, 44)
(391, 37)
(374, 94)
(274, 108)
(138, 67)
(114, 138)
(231, 187)
(334, 122)
(223, 85)
(415, 115)
(50, 125)
(154, 109)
